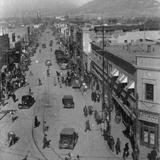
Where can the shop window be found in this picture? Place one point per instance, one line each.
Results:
(149, 92)
(148, 135)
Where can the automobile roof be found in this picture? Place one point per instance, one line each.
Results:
(68, 97)
(67, 131)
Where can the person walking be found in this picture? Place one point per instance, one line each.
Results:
(135, 153)
(118, 146)
(85, 111)
(125, 151)
(87, 127)
(25, 158)
(13, 97)
(36, 122)
(153, 154)
(46, 143)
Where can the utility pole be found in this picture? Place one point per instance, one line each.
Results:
(106, 108)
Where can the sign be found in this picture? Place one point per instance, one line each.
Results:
(148, 116)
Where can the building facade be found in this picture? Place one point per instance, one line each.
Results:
(148, 88)
(134, 92)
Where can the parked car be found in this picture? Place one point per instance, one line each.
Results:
(43, 45)
(58, 51)
(67, 101)
(27, 102)
(76, 84)
(68, 138)
(48, 62)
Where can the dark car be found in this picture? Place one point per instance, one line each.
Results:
(58, 51)
(27, 102)
(68, 138)
(67, 101)
(43, 45)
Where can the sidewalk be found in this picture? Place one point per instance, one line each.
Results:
(117, 130)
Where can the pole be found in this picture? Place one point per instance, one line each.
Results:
(103, 83)
(103, 65)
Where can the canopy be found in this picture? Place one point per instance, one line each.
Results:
(115, 72)
(131, 85)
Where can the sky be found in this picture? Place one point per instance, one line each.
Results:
(8, 7)
(13, 7)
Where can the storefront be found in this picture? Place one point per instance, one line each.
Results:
(149, 128)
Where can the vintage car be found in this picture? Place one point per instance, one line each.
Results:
(27, 102)
(68, 138)
(76, 84)
(67, 101)
(48, 62)
(43, 45)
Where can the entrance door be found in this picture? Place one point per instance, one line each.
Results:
(149, 136)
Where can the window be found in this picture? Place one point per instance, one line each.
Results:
(149, 135)
(149, 92)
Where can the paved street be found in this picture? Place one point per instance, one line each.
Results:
(48, 107)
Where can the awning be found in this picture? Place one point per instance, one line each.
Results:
(131, 85)
(124, 80)
(115, 72)
(121, 76)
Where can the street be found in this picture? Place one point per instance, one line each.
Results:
(48, 107)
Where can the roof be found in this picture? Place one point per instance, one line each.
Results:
(67, 97)
(67, 131)
(129, 51)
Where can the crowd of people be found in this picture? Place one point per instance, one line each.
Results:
(11, 80)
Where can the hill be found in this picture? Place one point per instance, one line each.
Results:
(118, 8)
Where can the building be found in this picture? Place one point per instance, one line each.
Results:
(132, 72)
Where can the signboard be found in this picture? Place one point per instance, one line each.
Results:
(148, 116)
(86, 42)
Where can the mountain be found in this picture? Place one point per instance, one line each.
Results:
(22, 8)
(118, 8)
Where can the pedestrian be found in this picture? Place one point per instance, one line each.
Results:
(85, 111)
(46, 128)
(135, 153)
(30, 91)
(13, 97)
(153, 154)
(125, 151)
(46, 143)
(78, 157)
(87, 127)
(25, 158)
(36, 122)
(118, 146)
(13, 116)
(112, 143)
(39, 82)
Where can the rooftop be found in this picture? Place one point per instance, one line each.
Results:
(129, 51)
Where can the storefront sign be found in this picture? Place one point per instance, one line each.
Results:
(149, 117)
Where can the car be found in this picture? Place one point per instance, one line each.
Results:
(63, 66)
(57, 51)
(43, 45)
(27, 102)
(76, 84)
(48, 62)
(68, 138)
(67, 101)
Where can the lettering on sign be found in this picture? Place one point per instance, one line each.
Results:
(149, 117)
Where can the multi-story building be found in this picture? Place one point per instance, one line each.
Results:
(132, 72)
